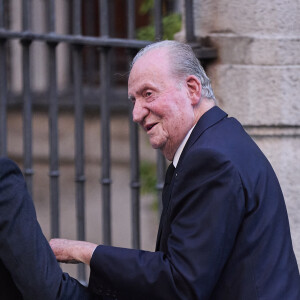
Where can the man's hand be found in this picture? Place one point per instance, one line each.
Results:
(69, 251)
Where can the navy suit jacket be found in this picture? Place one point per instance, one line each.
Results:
(224, 233)
(28, 267)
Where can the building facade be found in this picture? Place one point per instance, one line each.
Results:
(256, 78)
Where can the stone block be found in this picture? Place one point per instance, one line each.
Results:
(247, 16)
(256, 50)
(258, 95)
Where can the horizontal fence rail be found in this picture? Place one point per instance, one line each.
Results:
(73, 39)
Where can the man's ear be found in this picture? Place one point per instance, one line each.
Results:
(194, 89)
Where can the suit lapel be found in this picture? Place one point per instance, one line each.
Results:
(210, 118)
(207, 120)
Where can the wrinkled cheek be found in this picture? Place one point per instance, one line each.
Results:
(155, 142)
(177, 127)
(159, 139)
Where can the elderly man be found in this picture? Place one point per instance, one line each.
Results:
(224, 231)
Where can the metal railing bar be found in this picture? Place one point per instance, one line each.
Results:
(53, 124)
(3, 99)
(160, 160)
(76, 17)
(77, 39)
(26, 9)
(90, 55)
(79, 150)
(105, 147)
(104, 19)
(53, 142)
(131, 19)
(135, 184)
(105, 75)
(3, 89)
(51, 17)
(158, 20)
(189, 21)
(2, 14)
(79, 133)
(27, 108)
(134, 147)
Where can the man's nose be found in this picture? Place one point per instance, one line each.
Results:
(139, 112)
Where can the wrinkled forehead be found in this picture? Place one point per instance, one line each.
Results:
(152, 61)
(148, 72)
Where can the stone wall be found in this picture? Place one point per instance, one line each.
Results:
(256, 79)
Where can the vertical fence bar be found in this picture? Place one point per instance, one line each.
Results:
(160, 160)
(53, 123)
(79, 132)
(76, 17)
(134, 147)
(27, 96)
(158, 20)
(131, 19)
(3, 88)
(105, 124)
(189, 21)
(90, 53)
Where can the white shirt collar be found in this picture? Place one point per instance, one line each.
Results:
(180, 148)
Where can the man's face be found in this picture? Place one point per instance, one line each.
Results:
(162, 105)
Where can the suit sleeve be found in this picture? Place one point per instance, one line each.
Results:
(24, 250)
(206, 210)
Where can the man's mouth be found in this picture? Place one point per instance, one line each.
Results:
(149, 126)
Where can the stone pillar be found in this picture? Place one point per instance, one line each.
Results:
(256, 79)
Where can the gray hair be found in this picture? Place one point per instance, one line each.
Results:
(184, 63)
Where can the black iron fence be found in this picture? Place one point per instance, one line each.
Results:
(77, 43)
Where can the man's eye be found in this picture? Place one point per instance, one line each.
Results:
(148, 94)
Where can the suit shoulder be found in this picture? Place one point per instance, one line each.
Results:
(7, 165)
(201, 161)
(206, 155)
